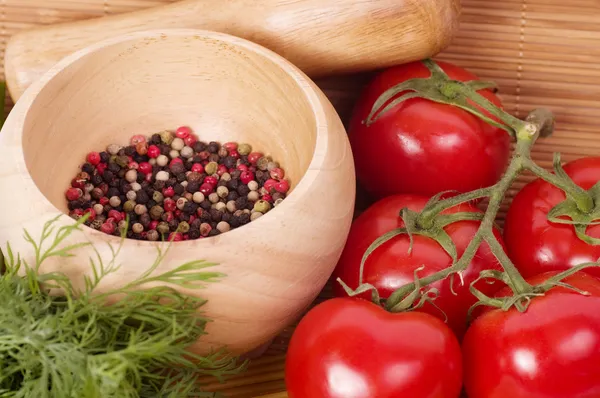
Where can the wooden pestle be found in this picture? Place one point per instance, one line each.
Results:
(322, 37)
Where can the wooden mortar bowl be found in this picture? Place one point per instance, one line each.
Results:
(226, 89)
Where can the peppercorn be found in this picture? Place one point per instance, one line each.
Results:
(163, 228)
(179, 189)
(156, 212)
(262, 163)
(190, 208)
(152, 235)
(171, 182)
(131, 195)
(166, 137)
(108, 175)
(193, 187)
(253, 196)
(114, 200)
(243, 190)
(215, 215)
(145, 220)
(205, 229)
(137, 228)
(214, 157)
(235, 174)
(129, 206)
(262, 206)
(256, 215)
(244, 218)
(222, 192)
(233, 184)
(241, 202)
(113, 149)
(183, 227)
(194, 234)
(177, 168)
(181, 203)
(213, 147)
(278, 202)
(211, 168)
(222, 207)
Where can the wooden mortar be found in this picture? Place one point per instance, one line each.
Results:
(226, 89)
(321, 37)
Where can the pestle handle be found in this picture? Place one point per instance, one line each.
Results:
(322, 37)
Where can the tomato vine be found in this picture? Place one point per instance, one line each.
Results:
(581, 207)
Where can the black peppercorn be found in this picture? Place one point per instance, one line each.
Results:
(142, 197)
(113, 167)
(214, 232)
(147, 188)
(140, 178)
(258, 175)
(113, 183)
(108, 175)
(205, 217)
(112, 192)
(72, 205)
(234, 222)
(216, 215)
(213, 157)
(243, 190)
(159, 185)
(196, 159)
(179, 189)
(155, 139)
(188, 165)
(104, 157)
(87, 168)
(233, 184)
(177, 168)
(190, 208)
(194, 234)
(232, 195)
(97, 180)
(241, 202)
(129, 150)
(196, 224)
(226, 217)
(121, 152)
(180, 177)
(171, 182)
(199, 146)
(230, 162)
(173, 225)
(235, 174)
(244, 218)
(164, 149)
(213, 147)
(206, 205)
(145, 220)
(121, 173)
(193, 187)
(139, 158)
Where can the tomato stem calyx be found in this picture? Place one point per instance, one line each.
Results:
(439, 87)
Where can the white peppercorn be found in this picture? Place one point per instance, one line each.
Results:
(222, 191)
(223, 226)
(253, 196)
(162, 160)
(136, 186)
(253, 185)
(140, 209)
(213, 197)
(173, 154)
(115, 201)
(226, 177)
(220, 206)
(98, 209)
(198, 197)
(187, 152)
(113, 149)
(255, 215)
(177, 144)
(231, 207)
(181, 203)
(162, 176)
(137, 228)
(131, 176)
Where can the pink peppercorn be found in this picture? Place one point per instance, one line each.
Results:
(168, 216)
(242, 167)
(92, 214)
(186, 237)
(192, 219)
(153, 224)
(133, 165)
(108, 228)
(73, 194)
(183, 132)
(211, 180)
(104, 188)
(222, 169)
(136, 139)
(169, 205)
(149, 177)
(153, 151)
(77, 212)
(234, 154)
(93, 158)
(277, 173)
(178, 213)
(254, 156)
(230, 146)
(206, 189)
(270, 184)
(76, 183)
(200, 211)
(142, 148)
(267, 197)
(145, 168)
(101, 168)
(175, 237)
(104, 201)
(282, 186)
(246, 177)
(116, 215)
(168, 192)
(190, 140)
(203, 155)
(197, 168)
(175, 161)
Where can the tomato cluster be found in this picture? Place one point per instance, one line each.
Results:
(359, 347)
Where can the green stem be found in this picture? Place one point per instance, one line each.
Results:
(584, 200)
(518, 283)
(427, 216)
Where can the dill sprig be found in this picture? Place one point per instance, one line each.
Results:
(81, 344)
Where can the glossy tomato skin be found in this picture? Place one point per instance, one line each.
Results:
(351, 348)
(550, 351)
(537, 245)
(424, 147)
(392, 266)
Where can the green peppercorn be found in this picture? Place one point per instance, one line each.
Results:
(166, 137)
(158, 197)
(122, 161)
(183, 227)
(163, 228)
(244, 149)
(272, 165)
(156, 212)
(96, 224)
(262, 206)
(211, 168)
(129, 206)
(262, 163)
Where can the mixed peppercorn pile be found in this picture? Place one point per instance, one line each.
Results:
(173, 186)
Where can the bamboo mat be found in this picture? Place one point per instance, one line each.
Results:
(541, 52)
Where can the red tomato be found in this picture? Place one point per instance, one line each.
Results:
(424, 147)
(351, 348)
(537, 245)
(391, 266)
(550, 351)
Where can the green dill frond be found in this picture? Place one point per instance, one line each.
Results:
(78, 345)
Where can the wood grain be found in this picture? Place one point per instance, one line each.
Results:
(275, 266)
(322, 37)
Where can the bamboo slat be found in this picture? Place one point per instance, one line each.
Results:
(541, 53)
